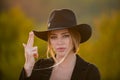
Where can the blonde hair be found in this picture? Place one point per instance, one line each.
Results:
(75, 35)
(76, 38)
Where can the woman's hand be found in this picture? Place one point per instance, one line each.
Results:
(30, 54)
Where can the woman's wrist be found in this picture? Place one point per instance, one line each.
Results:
(28, 69)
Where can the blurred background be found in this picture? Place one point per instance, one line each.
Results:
(19, 17)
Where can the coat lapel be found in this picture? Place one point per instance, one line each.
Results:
(80, 69)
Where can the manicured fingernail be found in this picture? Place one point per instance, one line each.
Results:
(36, 55)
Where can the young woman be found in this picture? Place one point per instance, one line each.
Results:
(64, 37)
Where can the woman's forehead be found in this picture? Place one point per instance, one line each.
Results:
(59, 31)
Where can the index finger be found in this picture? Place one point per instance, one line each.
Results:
(30, 39)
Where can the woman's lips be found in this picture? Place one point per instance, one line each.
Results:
(60, 49)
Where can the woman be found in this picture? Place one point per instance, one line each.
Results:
(63, 37)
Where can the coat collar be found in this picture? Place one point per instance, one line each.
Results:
(80, 66)
(78, 71)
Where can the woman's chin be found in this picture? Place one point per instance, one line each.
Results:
(60, 54)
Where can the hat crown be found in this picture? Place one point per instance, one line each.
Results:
(62, 18)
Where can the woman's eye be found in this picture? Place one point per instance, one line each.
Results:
(53, 37)
(66, 36)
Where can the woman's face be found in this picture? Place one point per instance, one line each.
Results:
(61, 42)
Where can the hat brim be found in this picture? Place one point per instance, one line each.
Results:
(84, 30)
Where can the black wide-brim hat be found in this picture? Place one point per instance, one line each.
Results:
(64, 19)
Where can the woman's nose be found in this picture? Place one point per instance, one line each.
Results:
(60, 41)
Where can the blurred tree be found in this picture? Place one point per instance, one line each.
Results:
(107, 44)
(14, 27)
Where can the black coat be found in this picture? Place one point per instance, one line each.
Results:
(82, 70)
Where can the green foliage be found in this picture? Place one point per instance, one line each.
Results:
(104, 47)
(14, 31)
(108, 43)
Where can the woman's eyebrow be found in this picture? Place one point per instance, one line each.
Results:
(65, 32)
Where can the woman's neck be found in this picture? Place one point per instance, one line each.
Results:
(69, 59)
